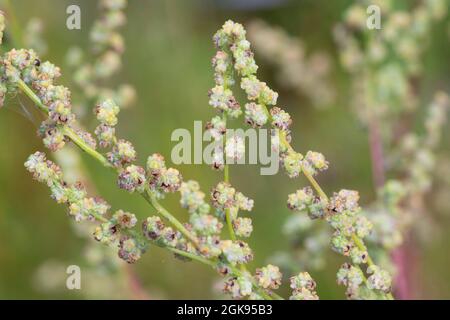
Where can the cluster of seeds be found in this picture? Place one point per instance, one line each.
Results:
(269, 277)
(304, 287)
(342, 212)
(161, 179)
(18, 65)
(81, 207)
(239, 287)
(155, 230)
(106, 113)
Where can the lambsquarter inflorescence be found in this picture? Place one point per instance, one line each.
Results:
(201, 238)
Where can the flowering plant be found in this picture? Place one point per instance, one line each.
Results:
(216, 228)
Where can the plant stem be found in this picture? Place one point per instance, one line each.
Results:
(226, 178)
(151, 199)
(193, 257)
(234, 270)
(75, 138)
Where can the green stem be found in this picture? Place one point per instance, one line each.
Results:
(193, 257)
(75, 138)
(151, 199)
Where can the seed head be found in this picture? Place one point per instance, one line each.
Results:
(132, 179)
(125, 220)
(243, 227)
(106, 112)
(269, 277)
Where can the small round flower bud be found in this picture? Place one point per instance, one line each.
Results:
(43, 170)
(255, 115)
(379, 279)
(314, 161)
(106, 112)
(106, 233)
(238, 287)
(216, 127)
(153, 227)
(205, 224)
(363, 226)
(223, 100)
(344, 200)
(170, 180)
(129, 249)
(244, 63)
(236, 252)
(132, 179)
(292, 163)
(87, 208)
(218, 161)
(58, 193)
(192, 198)
(49, 71)
(221, 62)
(317, 209)
(269, 277)
(303, 280)
(243, 202)
(341, 244)
(301, 199)
(52, 136)
(223, 195)
(75, 192)
(122, 153)
(155, 230)
(209, 247)
(257, 90)
(155, 163)
(169, 238)
(243, 227)
(358, 256)
(233, 30)
(280, 118)
(350, 276)
(105, 135)
(125, 220)
(251, 86)
(58, 100)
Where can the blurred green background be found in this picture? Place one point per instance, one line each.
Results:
(167, 59)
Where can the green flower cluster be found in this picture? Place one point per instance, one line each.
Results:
(304, 287)
(112, 232)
